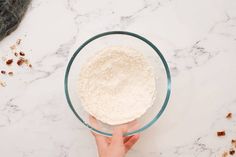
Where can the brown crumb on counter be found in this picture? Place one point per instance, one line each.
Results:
(233, 142)
(229, 115)
(9, 61)
(232, 152)
(225, 154)
(3, 72)
(10, 73)
(221, 133)
(26, 61)
(13, 47)
(16, 54)
(20, 61)
(18, 41)
(22, 53)
(2, 84)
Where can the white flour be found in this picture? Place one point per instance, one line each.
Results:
(117, 85)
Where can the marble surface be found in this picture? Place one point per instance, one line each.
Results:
(197, 38)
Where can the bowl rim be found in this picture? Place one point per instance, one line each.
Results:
(135, 36)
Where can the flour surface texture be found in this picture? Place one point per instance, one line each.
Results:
(117, 85)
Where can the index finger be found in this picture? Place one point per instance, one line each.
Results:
(118, 132)
(100, 140)
(131, 141)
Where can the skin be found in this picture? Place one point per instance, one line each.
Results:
(115, 146)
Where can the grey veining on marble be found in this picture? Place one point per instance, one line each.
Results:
(197, 38)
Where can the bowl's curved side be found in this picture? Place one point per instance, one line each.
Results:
(121, 33)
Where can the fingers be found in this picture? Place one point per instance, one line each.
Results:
(133, 125)
(127, 138)
(93, 122)
(117, 137)
(100, 140)
(131, 141)
(108, 140)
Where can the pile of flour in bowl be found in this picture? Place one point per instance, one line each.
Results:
(117, 85)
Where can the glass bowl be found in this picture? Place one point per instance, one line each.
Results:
(125, 39)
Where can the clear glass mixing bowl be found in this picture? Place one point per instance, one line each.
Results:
(125, 39)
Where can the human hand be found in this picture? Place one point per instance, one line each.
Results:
(115, 146)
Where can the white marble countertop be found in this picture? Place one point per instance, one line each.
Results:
(197, 38)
